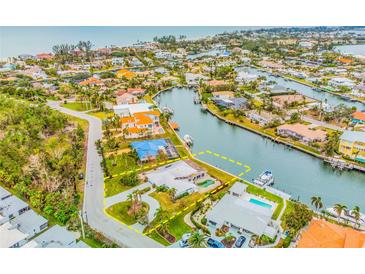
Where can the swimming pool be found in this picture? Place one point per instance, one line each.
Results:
(206, 183)
(260, 203)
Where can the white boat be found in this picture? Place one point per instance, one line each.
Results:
(188, 140)
(167, 110)
(266, 178)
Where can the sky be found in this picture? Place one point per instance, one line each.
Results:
(32, 40)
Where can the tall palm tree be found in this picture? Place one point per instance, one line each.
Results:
(316, 201)
(197, 240)
(355, 212)
(339, 209)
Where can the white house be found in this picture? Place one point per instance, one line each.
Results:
(129, 109)
(11, 207)
(30, 223)
(340, 81)
(54, 237)
(246, 215)
(10, 237)
(181, 175)
(4, 193)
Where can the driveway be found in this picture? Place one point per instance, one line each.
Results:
(93, 207)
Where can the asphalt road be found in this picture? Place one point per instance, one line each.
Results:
(93, 206)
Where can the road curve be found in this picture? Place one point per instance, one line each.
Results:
(93, 207)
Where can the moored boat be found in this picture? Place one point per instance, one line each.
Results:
(188, 140)
(266, 178)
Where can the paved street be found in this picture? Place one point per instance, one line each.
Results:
(94, 190)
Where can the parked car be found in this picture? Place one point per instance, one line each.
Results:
(184, 240)
(214, 244)
(240, 241)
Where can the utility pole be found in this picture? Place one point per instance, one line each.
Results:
(82, 224)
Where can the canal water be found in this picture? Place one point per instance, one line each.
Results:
(331, 99)
(296, 173)
(352, 49)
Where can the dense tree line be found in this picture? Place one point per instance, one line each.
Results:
(41, 153)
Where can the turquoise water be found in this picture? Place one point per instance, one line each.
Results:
(207, 183)
(296, 173)
(351, 49)
(260, 203)
(32, 40)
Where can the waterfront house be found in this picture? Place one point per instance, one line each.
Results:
(323, 234)
(244, 215)
(341, 81)
(184, 176)
(223, 94)
(289, 100)
(358, 117)
(126, 98)
(11, 207)
(245, 77)
(141, 124)
(150, 149)
(216, 83)
(193, 79)
(136, 91)
(129, 109)
(278, 89)
(24, 57)
(352, 145)
(304, 133)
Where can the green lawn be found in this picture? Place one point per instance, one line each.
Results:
(101, 115)
(158, 238)
(113, 186)
(77, 106)
(177, 227)
(120, 212)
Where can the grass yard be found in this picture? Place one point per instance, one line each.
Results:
(113, 186)
(177, 227)
(120, 212)
(77, 106)
(172, 207)
(216, 173)
(101, 115)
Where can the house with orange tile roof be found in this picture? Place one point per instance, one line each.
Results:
(125, 73)
(92, 81)
(302, 132)
(44, 56)
(323, 234)
(358, 117)
(126, 98)
(141, 124)
(345, 60)
(136, 91)
(216, 83)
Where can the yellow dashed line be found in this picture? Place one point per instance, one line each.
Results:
(193, 154)
(224, 157)
(208, 151)
(201, 153)
(239, 163)
(216, 154)
(241, 174)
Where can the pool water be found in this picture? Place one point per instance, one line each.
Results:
(206, 183)
(260, 203)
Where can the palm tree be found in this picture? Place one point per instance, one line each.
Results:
(339, 209)
(197, 240)
(355, 212)
(316, 201)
